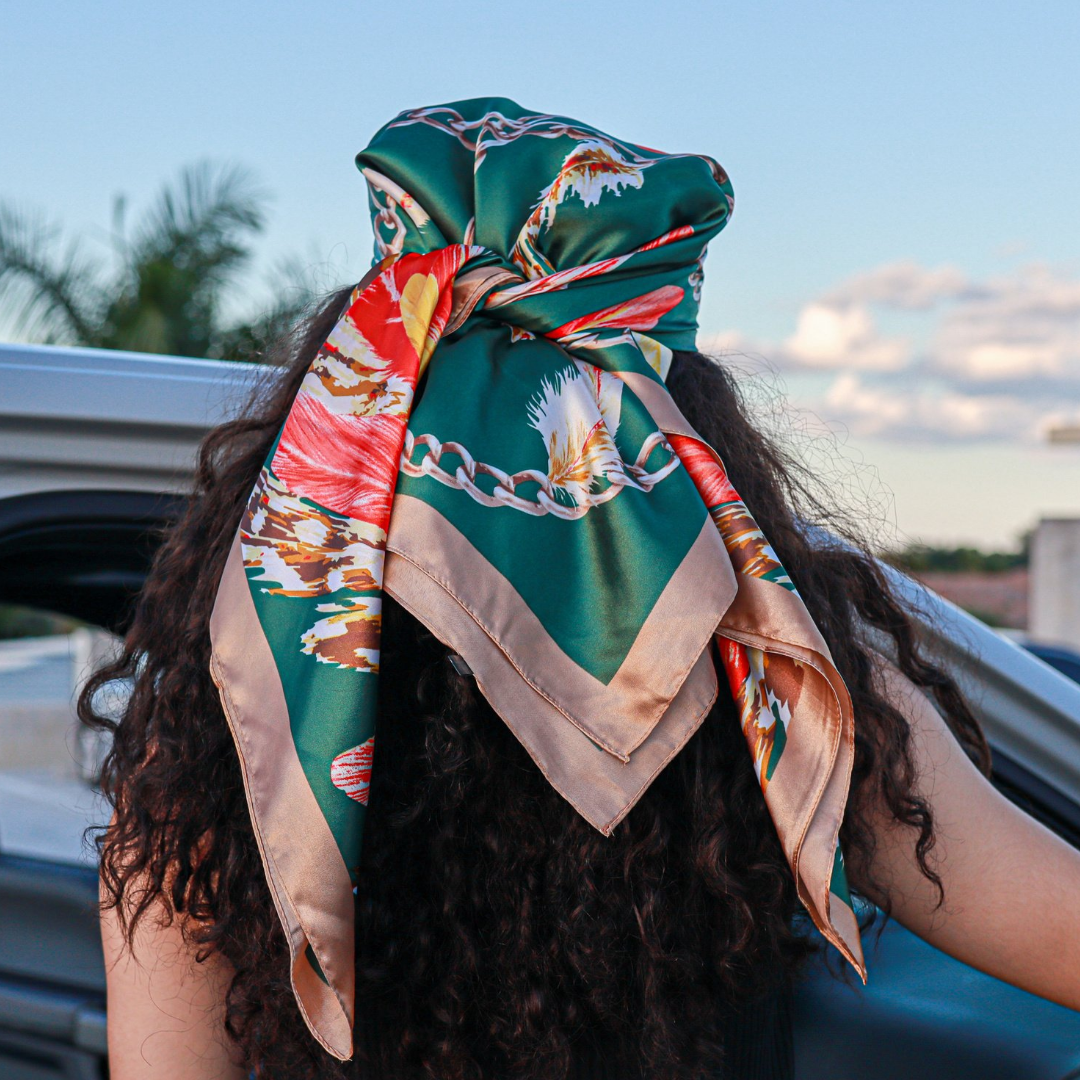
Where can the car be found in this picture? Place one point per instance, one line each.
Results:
(96, 453)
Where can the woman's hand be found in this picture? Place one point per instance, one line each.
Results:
(165, 1011)
(1012, 887)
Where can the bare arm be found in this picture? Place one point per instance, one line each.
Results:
(165, 1012)
(1012, 887)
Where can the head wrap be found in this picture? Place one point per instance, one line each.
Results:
(486, 436)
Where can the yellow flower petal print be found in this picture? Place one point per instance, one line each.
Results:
(418, 300)
(657, 356)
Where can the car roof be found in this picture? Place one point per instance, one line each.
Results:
(90, 418)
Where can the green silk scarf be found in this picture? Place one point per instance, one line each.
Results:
(486, 436)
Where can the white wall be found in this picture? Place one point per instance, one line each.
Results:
(1054, 614)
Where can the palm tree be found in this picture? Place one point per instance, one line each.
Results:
(167, 290)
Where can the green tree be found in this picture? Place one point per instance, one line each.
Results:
(168, 284)
(918, 558)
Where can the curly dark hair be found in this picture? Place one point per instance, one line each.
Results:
(496, 928)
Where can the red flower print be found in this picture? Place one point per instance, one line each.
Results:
(640, 313)
(345, 463)
(395, 304)
(736, 663)
(706, 472)
(350, 771)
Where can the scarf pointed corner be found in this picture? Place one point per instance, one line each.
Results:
(828, 902)
(327, 1010)
(835, 918)
(841, 929)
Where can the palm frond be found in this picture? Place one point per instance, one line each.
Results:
(48, 291)
(204, 221)
(174, 275)
(185, 254)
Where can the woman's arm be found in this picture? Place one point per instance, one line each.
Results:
(1012, 887)
(165, 1011)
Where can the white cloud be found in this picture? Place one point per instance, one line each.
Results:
(1025, 325)
(1001, 358)
(827, 336)
(921, 414)
(903, 286)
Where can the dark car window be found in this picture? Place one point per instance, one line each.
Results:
(1063, 660)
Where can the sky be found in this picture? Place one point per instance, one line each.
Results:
(899, 286)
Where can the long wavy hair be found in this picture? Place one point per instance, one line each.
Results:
(495, 926)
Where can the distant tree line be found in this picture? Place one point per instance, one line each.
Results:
(17, 621)
(923, 558)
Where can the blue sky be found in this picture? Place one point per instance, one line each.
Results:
(903, 257)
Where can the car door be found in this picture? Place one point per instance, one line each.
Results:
(80, 556)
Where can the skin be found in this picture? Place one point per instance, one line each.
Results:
(166, 1011)
(984, 846)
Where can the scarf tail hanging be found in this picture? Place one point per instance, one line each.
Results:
(532, 278)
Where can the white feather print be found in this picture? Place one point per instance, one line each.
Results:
(591, 168)
(577, 415)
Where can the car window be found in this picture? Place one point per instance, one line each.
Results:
(47, 760)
